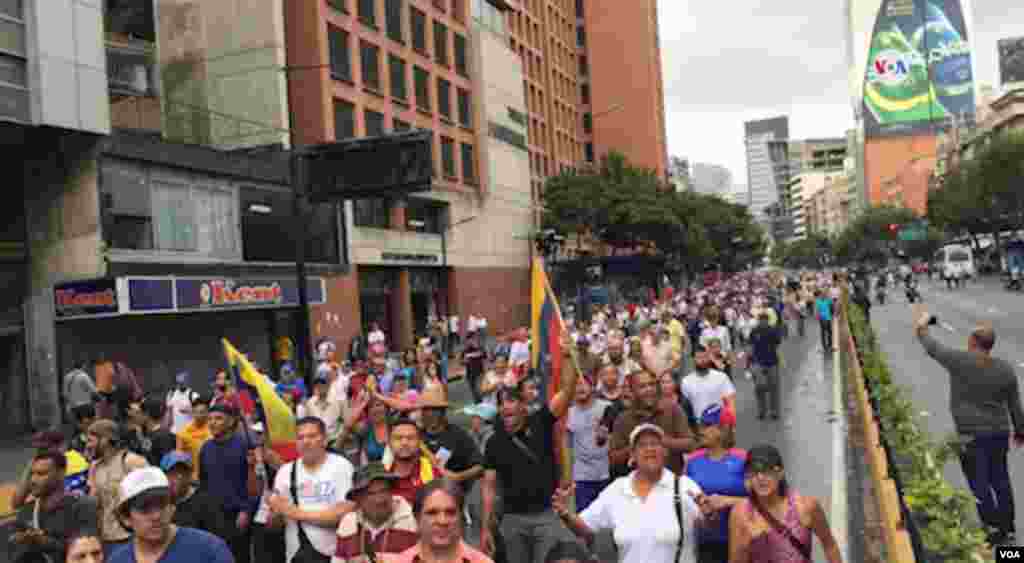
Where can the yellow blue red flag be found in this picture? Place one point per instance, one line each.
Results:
(546, 330)
(278, 420)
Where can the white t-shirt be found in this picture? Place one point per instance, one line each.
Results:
(519, 353)
(705, 390)
(179, 402)
(646, 530)
(721, 333)
(317, 491)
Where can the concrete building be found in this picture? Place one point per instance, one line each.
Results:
(822, 202)
(711, 179)
(1003, 112)
(763, 164)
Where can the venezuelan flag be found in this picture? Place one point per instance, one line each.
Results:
(278, 419)
(546, 351)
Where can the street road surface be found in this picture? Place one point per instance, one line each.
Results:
(959, 311)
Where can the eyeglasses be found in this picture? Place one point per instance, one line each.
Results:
(770, 471)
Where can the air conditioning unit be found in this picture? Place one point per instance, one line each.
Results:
(131, 77)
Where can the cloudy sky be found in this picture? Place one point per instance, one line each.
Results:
(728, 62)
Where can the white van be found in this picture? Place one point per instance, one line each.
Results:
(955, 261)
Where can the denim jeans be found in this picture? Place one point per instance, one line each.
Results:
(984, 464)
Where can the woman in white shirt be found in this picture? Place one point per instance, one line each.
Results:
(640, 508)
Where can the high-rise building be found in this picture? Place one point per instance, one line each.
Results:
(765, 162)
(711, 179)
(575, 53)
(740, 195)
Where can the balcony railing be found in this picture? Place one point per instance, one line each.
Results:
(131, 68)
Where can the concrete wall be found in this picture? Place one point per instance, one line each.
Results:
(222, 69)
(67, 64)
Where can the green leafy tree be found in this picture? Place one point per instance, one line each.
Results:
(869, 238)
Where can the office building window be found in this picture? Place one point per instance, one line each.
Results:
(581, 36)
(461, 60)
(399, 126)
(418, 23)
(340, 5)
(393, 19)
(465, 109)
(368, 12)
(268, 235)
(585, 93)
(588, 152)
(448, 157)
(468, 164)
(584, 67)
(440, 44)
(374, 123)
(373, 213)
(422, 85)
(579, 8)
(444, 98)
(12, 8)
(344, 120)
(425, 215)
(396, 70)
(588, 123)
(341, 66)
(370, 55)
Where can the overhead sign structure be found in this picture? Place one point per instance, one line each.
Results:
(919, 75)
(371, 167)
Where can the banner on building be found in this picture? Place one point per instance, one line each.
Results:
(90, 298)
(919, 75)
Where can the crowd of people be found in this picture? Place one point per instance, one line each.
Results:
(647, 396)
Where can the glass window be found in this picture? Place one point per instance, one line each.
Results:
(588, 123)
(374, 213)
(344, 120)
(340, 5)
(370, 55)
(465, 109)
(579, 8)
(396, 69)
(425, 215)
(419, 30)
(341, 66)
(374, 123)
(399, 126)
(268, 233)
(422, 79)
(12, 8)
(440, 43)
(126, 206)
(444, 98)
(174, 216)
(393, 19)
(588, 152)
(461, 61)
(448, 157)
(368, 12)
(12, 70)
(585, 93)
(584, 67)
(12, 36)
(581, 36)
(468, 164)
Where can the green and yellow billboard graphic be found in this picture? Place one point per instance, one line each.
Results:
(919, 74)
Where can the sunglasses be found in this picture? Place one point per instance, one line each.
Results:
(765, 470)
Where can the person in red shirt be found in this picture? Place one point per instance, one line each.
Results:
(225, 393)
(410, 463)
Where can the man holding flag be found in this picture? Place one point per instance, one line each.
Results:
(522, 452)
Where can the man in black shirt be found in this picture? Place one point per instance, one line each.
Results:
(473, 358)
(42, 527)
(194, 508)
(152, 441)
(521, 456)
(451, 445)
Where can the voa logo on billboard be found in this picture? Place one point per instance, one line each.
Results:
(891, 67)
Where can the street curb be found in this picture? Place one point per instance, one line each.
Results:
(894, 533)
(840, 500)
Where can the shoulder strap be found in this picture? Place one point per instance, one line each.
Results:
(803, 549)
(677, 500)
(303, 538)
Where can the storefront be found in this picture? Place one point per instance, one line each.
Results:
(384, 298)
(160, 326)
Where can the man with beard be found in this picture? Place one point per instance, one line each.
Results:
(111, 463)
(647, 407)
(616, 356)
(410, 464)
(41, 527)
(145, 509)
(193, 508)
(521, 456)
(224, 474)
(383, 524)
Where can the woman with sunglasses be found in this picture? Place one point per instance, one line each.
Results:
(775, 524)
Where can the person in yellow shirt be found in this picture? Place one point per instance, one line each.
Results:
(192, 437)
(676, 334)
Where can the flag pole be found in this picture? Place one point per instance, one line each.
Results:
(565, 458)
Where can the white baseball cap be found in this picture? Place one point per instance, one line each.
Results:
(644, 428)
(141, 481)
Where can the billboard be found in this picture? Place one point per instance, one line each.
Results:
(918, 74)
(1011, 61)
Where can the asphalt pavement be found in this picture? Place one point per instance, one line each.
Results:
(958, 312)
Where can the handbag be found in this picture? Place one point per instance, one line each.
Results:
(804, 549)
(307, 552)
(677, 500)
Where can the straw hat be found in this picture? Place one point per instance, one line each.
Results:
(433, 396)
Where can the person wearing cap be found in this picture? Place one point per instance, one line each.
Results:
(310, 493)
(146, 509)
(521, 457)
(776, 523)
(641, 507)
(42, 526)
(224, 474)
(179, 402)
(111, 463)
(986, 407)
(193, 507)
(383, 524)
(451, 445)
(322, 406)
(192, 437)
(718, 470)
(647, 406)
